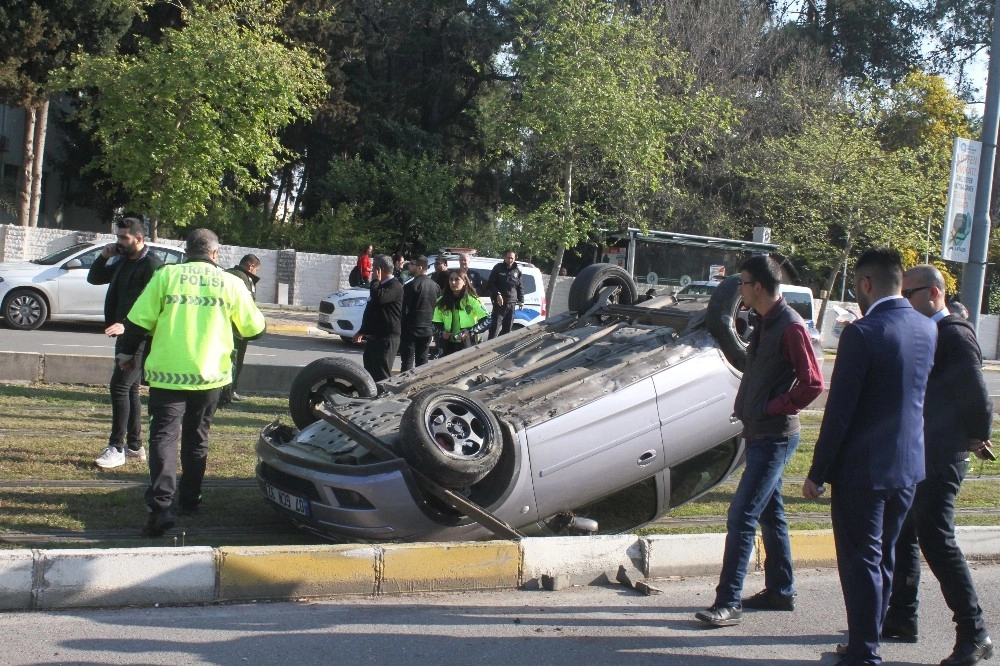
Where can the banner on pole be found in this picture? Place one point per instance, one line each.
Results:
(955, 237)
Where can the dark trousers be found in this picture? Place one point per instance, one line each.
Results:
(239, 353)
(188, 413)
(126, 405)
(931, 524)
(503, 318)
(866, 525)
(378, 357)
(414, 350)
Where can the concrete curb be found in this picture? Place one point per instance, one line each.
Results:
(51, 579)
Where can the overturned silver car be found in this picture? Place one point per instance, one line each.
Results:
(596, 421)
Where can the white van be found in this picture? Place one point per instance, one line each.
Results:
(340, 313)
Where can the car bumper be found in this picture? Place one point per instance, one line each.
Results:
(376, 502)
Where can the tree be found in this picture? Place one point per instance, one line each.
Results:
(214, 94)
(597, 101)
(39, 38)
(833, 187)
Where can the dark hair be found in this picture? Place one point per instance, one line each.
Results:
(134, 225)
(250, 261)
(420, 261)
(883, 265)
(765, 270)
(398, 256)
(201, 243)
(448, 298)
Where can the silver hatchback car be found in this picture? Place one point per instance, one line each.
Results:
(596, 421)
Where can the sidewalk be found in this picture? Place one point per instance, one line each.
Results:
(290, 319)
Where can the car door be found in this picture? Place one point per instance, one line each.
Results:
(74, 296)
(595, 450)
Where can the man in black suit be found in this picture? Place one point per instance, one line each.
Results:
(871, 443)
(380, 324)
(419, 298)
(958, 417)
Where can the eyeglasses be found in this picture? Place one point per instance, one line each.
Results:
(748, 282)
(908, 293)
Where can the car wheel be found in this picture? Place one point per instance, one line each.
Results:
(592, 280)
(348, 340)
(725, 322)
(322, 378)
(450, 436)
(25, 309)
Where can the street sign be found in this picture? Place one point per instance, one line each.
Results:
(955, 237)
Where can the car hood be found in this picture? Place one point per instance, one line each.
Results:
(353, 292)
(21, 268)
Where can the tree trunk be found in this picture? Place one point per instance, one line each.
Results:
(153, 224)
(273, 213)
(568, 214)
(27, 161)
(41, 125)
(832, 278)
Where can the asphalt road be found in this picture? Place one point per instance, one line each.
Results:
(271, 349)
(584, 625)
(89, 340)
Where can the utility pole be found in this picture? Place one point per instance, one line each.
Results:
(975, 271)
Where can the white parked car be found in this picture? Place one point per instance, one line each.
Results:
(55, 288)
(340, 313)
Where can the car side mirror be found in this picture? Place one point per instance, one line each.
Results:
(73, 263)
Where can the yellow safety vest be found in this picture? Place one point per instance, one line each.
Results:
(190, 309)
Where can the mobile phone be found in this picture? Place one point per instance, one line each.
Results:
(988, 454)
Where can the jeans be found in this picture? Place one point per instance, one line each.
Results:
(414, 350)
(758, 501)
(126, 406)
(931, 523)
(188, 413)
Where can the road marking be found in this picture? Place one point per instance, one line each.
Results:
(49, 344)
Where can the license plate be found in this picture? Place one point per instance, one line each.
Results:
(291, 502)
(324, 318)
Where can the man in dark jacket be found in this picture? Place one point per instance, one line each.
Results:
(126, 278)
(419, 297)
(958, 415)
(247, 272)
(380, 325)
(781, 378)
(507, 292)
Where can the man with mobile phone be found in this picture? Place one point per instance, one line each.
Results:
(126, 277)
(958, 416)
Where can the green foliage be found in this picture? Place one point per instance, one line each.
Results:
(213, 96)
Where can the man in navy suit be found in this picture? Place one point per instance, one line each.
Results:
(871, 443)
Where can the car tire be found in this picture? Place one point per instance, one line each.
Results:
(25, 309)
(319, 379)
(723, 322)
(348, 340)
(450, 436)
(587, 287)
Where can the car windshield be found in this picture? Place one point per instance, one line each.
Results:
(698, 289)
(61, 255)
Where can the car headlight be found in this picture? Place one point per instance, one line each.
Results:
(352, 302)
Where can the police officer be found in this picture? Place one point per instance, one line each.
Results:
(506, 289)
(246, 271)
(190, 310)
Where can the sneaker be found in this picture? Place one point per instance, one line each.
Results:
(767, 600)
(237, 397)
(138, 454)
(111, 458)
(721, 616)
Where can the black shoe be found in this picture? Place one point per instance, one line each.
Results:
(898, 629)
(159, 522)
(969, 652)
(848, 661)
(721, 616)
(768, 600)
(188, 508)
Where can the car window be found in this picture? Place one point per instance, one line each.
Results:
(696, 475)
(800, 302)
(528, 282)
(624, 510)
(57, 257)
(167, 255)
(87, 259)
